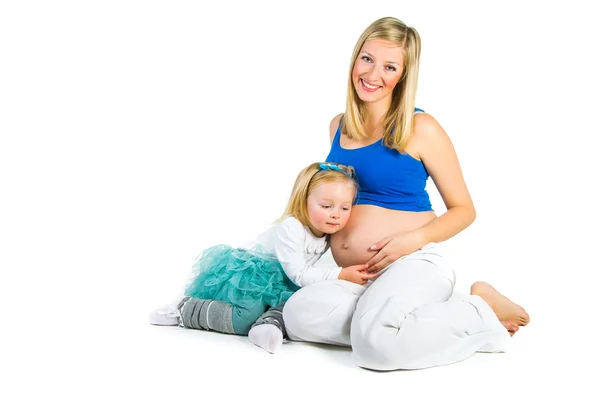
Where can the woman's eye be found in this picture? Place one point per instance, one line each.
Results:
(391, 68)
(367, 59)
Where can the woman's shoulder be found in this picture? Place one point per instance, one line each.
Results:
(334, 125)
(427, 133)
(426, 127)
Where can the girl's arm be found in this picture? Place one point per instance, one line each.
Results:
(289, 249)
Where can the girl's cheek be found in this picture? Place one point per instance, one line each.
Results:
(322, 215)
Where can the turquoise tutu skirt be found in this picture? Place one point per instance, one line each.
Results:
(247, 278)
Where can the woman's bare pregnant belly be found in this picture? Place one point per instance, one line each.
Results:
(369, 224)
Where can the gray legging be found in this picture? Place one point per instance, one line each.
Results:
(223, 317)
(273, 316)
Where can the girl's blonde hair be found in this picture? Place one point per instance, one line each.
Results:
(308, 179)
(399, 118)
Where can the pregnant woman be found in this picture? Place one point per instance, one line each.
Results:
(403, 319)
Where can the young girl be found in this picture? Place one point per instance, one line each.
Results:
(231, 288)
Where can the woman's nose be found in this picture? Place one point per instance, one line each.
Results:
(372, 74)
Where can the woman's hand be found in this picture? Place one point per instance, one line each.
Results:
(356, 274)
(392, 248)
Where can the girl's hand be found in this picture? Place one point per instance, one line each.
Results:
(356, 274)
(392, 248)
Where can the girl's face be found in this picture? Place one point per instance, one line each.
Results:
(377, 70)
(329, 206)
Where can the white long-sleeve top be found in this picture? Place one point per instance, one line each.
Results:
(297, 249)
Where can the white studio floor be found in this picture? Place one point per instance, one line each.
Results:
(98, 344)
(157, 362)
(112, 352)
(235, 368)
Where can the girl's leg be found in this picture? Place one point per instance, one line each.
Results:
(166, 316)
(405, 320)
(322, 312)
(217, 316)
(273, 316)
(269, 330)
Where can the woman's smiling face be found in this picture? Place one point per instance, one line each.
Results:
(377, 70)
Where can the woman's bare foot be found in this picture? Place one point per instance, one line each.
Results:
(511, 327)
(505, 310)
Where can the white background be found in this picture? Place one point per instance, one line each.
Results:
(136, 133)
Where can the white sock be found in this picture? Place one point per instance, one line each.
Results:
(266, 336)
(164, 316)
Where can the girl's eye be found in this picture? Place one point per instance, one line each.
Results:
(391, 68)
(346, 209)
(326, 206)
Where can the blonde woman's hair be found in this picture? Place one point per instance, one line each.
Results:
(308, 179)
(398, 121)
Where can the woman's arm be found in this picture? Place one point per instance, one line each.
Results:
(433, 147)
(439, 157)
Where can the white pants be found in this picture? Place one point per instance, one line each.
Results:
(405, 319)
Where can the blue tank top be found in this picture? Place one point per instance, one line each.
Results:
(386, 177)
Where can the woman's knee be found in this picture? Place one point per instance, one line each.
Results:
(383, 350)
(322, 312)
(376, 333)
